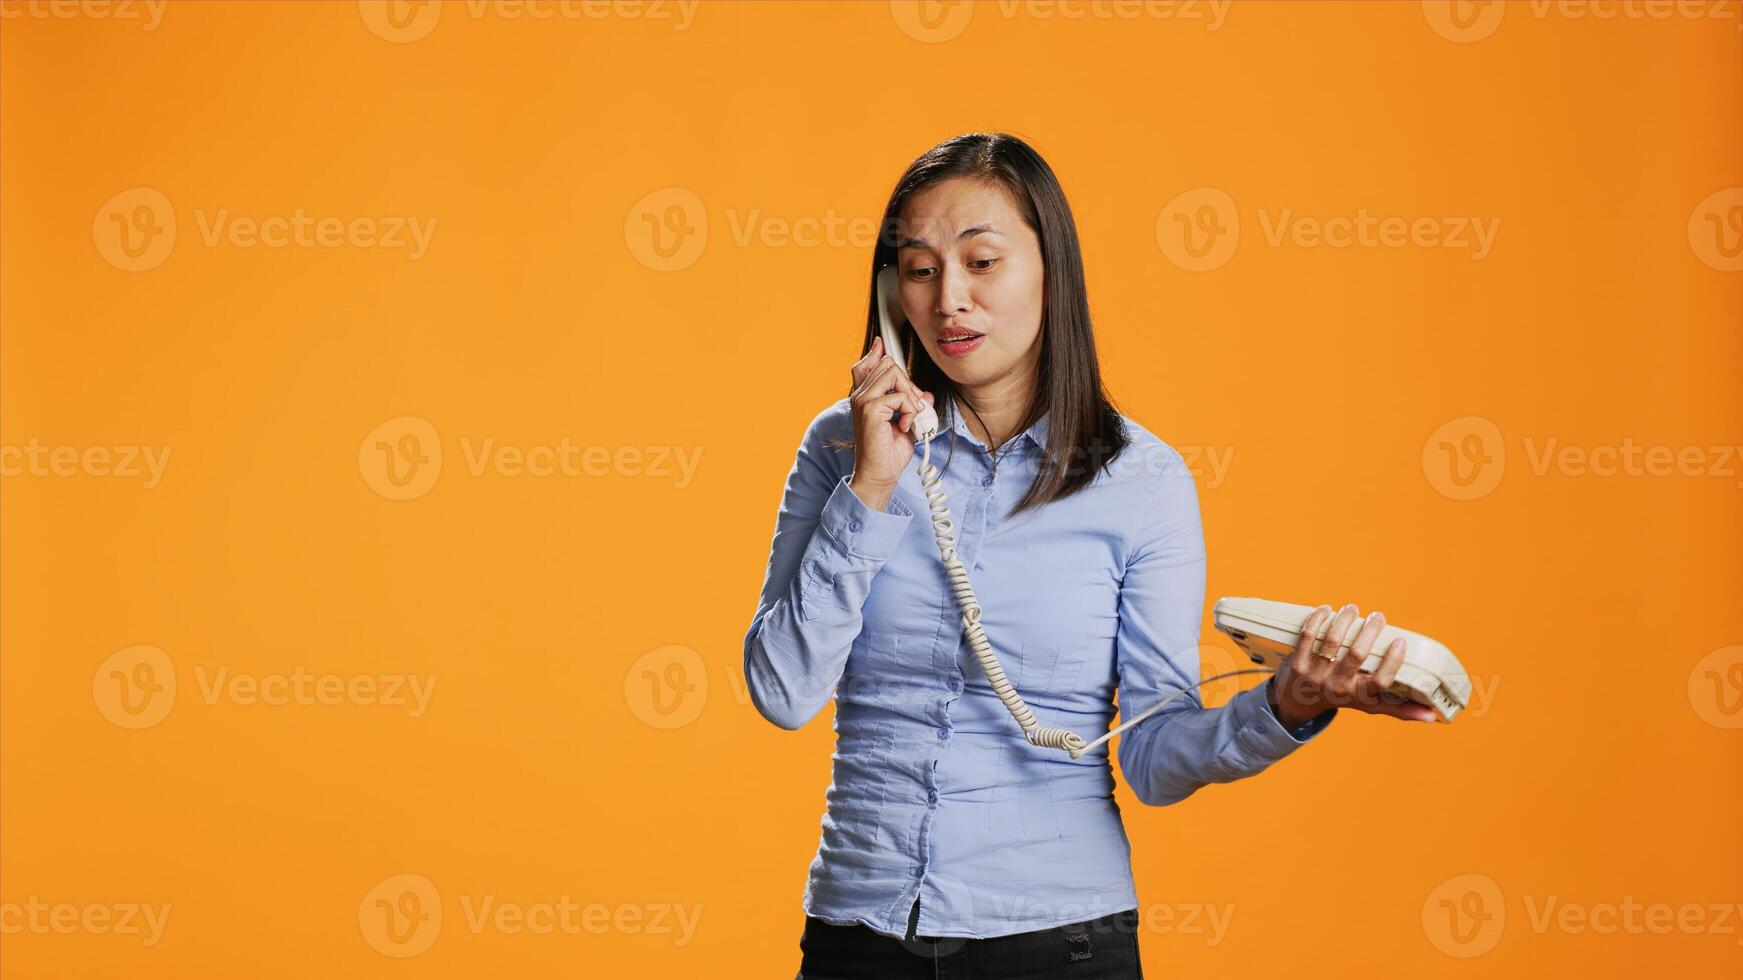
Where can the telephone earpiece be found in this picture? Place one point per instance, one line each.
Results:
(889, 314)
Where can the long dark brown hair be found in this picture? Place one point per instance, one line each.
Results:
(1084, 432)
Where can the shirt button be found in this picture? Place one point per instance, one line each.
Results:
(932, 797)
(986, 481)
(943, 733)
(854, 525)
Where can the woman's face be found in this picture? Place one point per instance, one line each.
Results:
(970, 265)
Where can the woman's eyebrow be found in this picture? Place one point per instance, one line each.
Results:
(913, 242)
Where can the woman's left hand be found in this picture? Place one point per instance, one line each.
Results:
(1312, 682)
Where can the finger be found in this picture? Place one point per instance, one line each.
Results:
(1359, 647)
(868, 364)
(863, 365)
(876, 381)
(911, 410)
(902, 380)
(885, 407)
(889, 377)
(862, 370)
(1409, 710)
(1335, 633)
(1390, 664)
(1310, 631)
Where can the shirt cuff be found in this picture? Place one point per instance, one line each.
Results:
(1311, 727)
(859, 530)
(1266, 733)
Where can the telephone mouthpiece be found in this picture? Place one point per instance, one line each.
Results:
(925, 427)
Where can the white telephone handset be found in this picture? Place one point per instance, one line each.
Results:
(1431, 674)
(925, 424)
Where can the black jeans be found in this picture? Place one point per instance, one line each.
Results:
(1095, 949)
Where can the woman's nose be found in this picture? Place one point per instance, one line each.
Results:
(952, 292)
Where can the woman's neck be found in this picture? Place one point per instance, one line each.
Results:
(998, 407)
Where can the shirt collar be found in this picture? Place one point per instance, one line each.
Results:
(1035, 434)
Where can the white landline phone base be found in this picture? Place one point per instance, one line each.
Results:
(1267, 631)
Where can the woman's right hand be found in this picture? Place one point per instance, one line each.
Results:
(1318, 678)
(882, 447)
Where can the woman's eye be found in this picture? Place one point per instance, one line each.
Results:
(983, 264)
(918, 273)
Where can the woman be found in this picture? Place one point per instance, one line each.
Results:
(947, 834)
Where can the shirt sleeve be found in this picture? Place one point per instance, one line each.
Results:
(828, 545)
(1169, 755)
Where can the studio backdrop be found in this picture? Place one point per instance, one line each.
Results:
(398, 398)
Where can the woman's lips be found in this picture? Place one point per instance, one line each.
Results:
(957, 348)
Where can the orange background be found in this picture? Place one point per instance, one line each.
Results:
(544, 609)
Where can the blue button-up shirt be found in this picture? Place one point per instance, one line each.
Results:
(936, 794)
